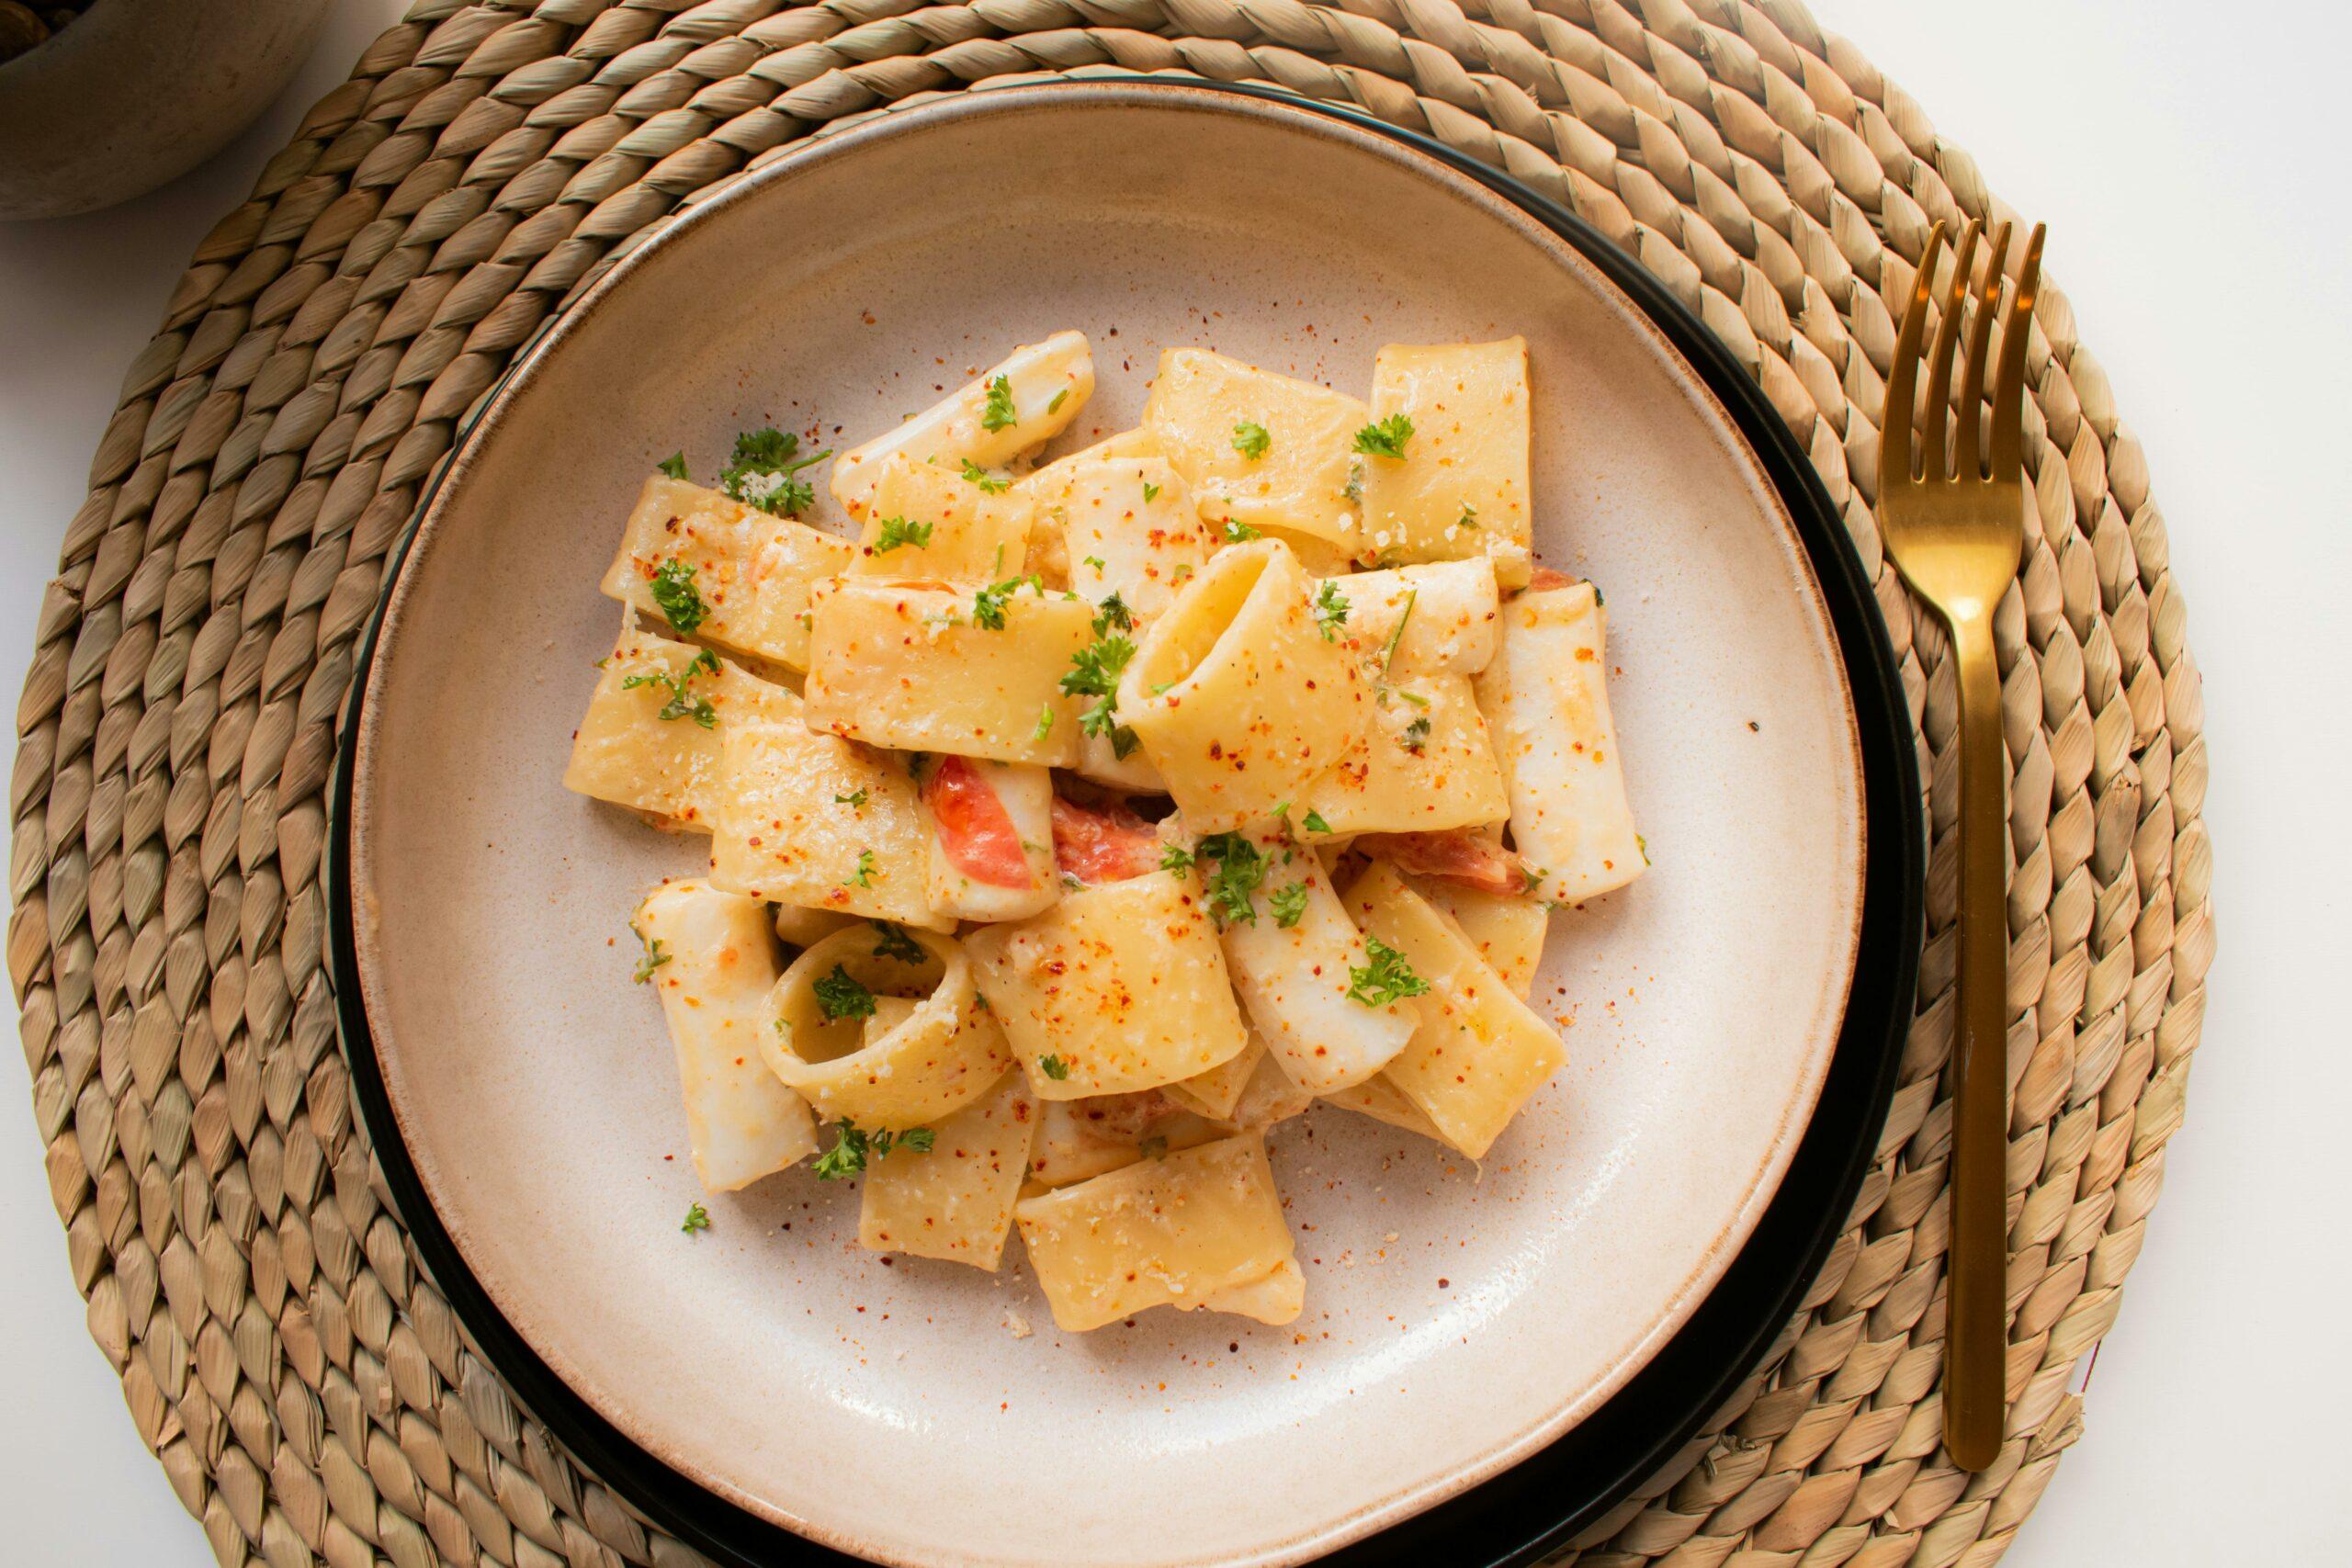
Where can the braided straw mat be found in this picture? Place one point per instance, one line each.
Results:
(307, 1391)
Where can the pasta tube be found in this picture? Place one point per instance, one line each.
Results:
(1117, 987)
(1176, 1231)
(1456, 486)
(945, 1053)
(928, 523)
(1548, 697)
(934, 669)
(710, 960)
(1479, 1052)
(954, 1200)
(812, 821)
(1030, 397)
(713, 568)
(1256, 448)
(1297, 979)
(1238, 699)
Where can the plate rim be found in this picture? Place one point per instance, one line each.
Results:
(1860, 1069)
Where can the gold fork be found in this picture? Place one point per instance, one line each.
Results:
(1953, 516)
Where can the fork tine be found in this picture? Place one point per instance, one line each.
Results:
(1967, 452)
(1898, 419)
(1940, 366)
(2008, 382)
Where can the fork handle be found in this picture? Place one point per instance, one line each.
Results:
(1976, 1349)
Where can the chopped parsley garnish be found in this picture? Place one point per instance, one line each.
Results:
(697, 1219)
(1289, 904)
(1385, 439)
(1314, 823)
(1055, 406)
(1094, 673)
(682, 703)
(1123, 742)
(674, 465)
(864, 873)
(1113, 612)
(678, 599)
(1469, 518)
(855, 798)
(1417, 734)
(1044, 723)
(654, 958)
(765, 472)
(999, 412)
(1644, 845)
(1176, 858)
(1098, 563)
(854, 1146)
(1387, 979)
(897, 531)
(1240, 869)
(1053, 1068)
(896, 943)
(1150, 492)
(995, 484)
(1250, 440)
(988, 604)
(1353, 489)
(1240, 532)
(1330, 611)
(839, 996)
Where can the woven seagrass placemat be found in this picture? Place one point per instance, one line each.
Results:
(307, 1389)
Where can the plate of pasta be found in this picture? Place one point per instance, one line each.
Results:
(1193, 832)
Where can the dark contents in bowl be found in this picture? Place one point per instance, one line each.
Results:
(24, 27)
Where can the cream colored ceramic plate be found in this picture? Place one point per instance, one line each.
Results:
(1456, 1318)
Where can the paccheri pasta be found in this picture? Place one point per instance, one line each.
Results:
(1074, 825)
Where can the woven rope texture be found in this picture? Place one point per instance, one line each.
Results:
(309, 1392)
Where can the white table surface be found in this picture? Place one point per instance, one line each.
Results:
(2191, 176)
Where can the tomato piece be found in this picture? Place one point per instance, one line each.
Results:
(1103, 843)
(976, 831)
(1459, 856)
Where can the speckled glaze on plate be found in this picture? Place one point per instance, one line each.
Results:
(1457, 1319)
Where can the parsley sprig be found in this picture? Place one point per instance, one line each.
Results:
(1000, 411)
(1386, 979)
(896, 943)
(1053, 1068)
(1094, 673)
(1387, 439)
(854, 1146)
(682, 703)
(1330, 610)
(764, 472)
(841, 995)
(1250, 439)
(897, 531)
(676, 596)
(988, 604)
(655, 956)
(697, 1219)
(1289, 904)
(674, 465)
(1241, 871)
(994, 484)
